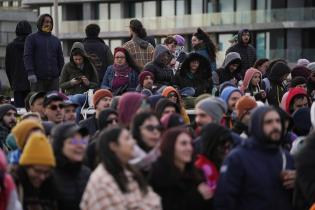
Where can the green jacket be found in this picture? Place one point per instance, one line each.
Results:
(70, 71)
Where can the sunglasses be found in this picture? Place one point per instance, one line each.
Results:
(151, 128)
(76, 141)
(55, 107)
(172, 95)
(110, 121)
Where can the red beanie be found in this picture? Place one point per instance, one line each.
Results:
(119, 49)
(128, 105)
(99, 94)
(168, 90)
(244, 104)
(143, 74)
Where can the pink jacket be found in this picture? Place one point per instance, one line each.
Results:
(248, 77)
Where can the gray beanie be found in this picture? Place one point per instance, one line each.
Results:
(311, 66)
(4, 108)
(214, 107)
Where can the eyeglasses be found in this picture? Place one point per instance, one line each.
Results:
(76, 141)
(151, 128)
(55, 107)
(120, 57)
(110, 121)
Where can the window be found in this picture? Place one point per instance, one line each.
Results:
(115, 11)
(103, 11)
(180, 7)
(196, 7)
(44, 10)
(168, 8)
(138, 10)
(149, 9)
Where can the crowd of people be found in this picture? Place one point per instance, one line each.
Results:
(248, 145)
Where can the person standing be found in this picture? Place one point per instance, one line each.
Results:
(139, 49)
(14, 64)
(43, 57)
(98, 51)
(245, 49)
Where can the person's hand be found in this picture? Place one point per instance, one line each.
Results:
(205, 191)
(85, 81)
(32, 78)
(263, 94)
(233, 81)
(288, 178)
(75, 81)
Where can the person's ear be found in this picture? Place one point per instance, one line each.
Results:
(113, 146)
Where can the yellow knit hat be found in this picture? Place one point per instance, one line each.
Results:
(22, 130)
(38, 151)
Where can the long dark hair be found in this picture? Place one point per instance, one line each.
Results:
(137, 27)
(112, 163)
(210, 46)
(135, 128)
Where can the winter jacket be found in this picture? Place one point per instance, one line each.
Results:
(70, 71)
(32, 198)
(140, 50)
(99, 53)
(43, 55)
(109, 76)
(293, 92)
(304, 195)
(14, 65)
(200, 81)
(163, 75)
(4, 132)
(277, 89)
(247, 52)
(102, 192)
(178, 191)
(91, 124)
(250, 175)
(223, 74)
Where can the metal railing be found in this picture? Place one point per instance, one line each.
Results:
(197, 20)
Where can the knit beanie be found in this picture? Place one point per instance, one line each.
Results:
(38, 151)
(23, 129)
(4, 108)
(244, 104)
(311, 66)
(143, 74)
(172, 120)
(99, 94)
(300, 71)
(201, 97)
(179, 39)
(227, 92)
(214, 107)
(303, 62)
(168, 90)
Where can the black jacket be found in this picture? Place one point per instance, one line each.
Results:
(91, 124)
(247, 52)
(178, 191)
(14, 65)
(200, 81)
(71, 180)
(99, 53)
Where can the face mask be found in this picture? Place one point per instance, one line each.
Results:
(46, 29)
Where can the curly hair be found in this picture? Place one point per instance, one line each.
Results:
(137, 27)
(210, 46)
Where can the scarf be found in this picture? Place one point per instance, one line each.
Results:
(209, 170)
(121, 76)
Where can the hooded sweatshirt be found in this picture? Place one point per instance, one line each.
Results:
(71, 70)
(14, 64)
(246, 51)
(250, 175)
(291, 95)
(163, 75)
(43, 54)
(224, 74)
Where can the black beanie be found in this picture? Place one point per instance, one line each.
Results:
(4, 108)
(102, 118)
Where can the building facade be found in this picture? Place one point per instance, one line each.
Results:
(280, 28)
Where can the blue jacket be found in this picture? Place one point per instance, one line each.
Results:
(43, 55)
(109, 76)
(250, 176)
